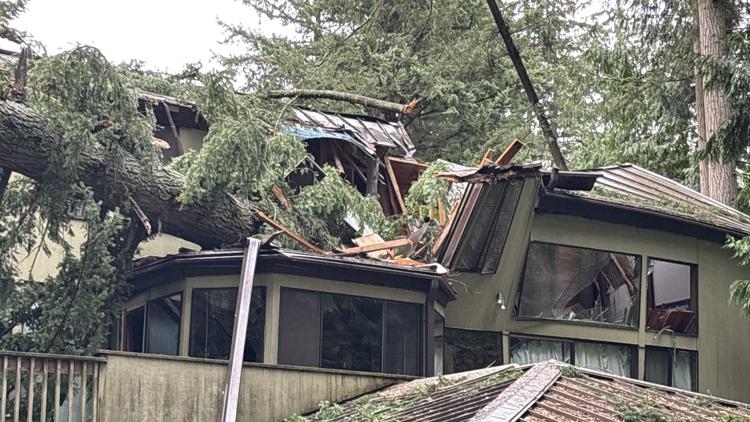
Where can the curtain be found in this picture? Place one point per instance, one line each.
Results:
(683, 368)
(527, 351)
(605, 357)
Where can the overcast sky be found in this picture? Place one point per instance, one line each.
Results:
(166, 34)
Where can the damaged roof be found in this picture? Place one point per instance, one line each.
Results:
(548, 391)
(365, 132)
(635, 187)
(151, 271)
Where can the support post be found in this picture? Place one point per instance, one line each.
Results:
(373, 173)
(239, 332)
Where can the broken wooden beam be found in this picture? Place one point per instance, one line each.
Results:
(391, 244)
(347, 97)
(276, 225)
(509, 153)
(283, 200)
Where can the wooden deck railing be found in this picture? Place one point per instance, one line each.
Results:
(49, 388)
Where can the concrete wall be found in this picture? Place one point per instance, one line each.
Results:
(723, 341)
(136, 388)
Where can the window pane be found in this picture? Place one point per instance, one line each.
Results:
(133, 341)
(163, 325)
(685, 370)
(613, 358)
(402, 339)
(524, 351)
(670, 301)
(657, 366)
(352, 333)
(299, 328)
(569, 283)
(466, 350)
(439, 342)
(212, 323)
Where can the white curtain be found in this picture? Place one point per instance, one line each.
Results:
(604, 357)
(527, 351)
(682, 370)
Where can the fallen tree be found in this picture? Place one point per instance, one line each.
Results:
(28, 142)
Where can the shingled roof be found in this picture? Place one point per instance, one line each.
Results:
(548, 391)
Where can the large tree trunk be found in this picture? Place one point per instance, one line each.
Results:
(27, 143)
(722, 180)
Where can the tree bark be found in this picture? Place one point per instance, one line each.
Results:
(348, 97)
(722, 181)
(700, 120)
(27, 143)
(547, 130)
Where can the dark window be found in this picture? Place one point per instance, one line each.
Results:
(402, 352)
(163, 325)
(133, 338)
(672, 367)
(467, 349)
(483, 242)
(299, 328)
(212, 323)
(349, 332)
(570, 283)
(352, 333)
(618, 359)
(672, 297)
(439, 342)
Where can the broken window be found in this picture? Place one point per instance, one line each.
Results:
(465, 350)
(673, 367)
(163, 317)
(618, 359)
(580, 284)
(349, 332)
(212, 323)
(672, 297)
(133, 333)
(483, 240)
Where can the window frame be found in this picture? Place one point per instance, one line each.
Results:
(265, 315)
(694, 286)
(517, 300)
(499, 335)
(670, 365)
(572, 347)
(179, 327)
(420, 328)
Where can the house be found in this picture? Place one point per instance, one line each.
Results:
(616, 269)
(547, 391)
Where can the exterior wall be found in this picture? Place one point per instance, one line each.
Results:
(724, 335)
(136, 387)
(273, 283)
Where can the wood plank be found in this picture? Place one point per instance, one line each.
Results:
(69, 398)
(239, 332)
(17, 391)
(275, 224)
(4, 400)
(509, 153)
(56, 404)
(394, 185)
(83, 392)
(95, 393)
(377, 247)
(45, 390)
(283, 200)
(487, 157)
(30, 392)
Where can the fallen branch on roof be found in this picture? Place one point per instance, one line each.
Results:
(404, 109)
(276, 225)
(28, 143)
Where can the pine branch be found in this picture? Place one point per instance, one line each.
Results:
(404, 109)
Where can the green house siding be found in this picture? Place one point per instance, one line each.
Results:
(723, 341)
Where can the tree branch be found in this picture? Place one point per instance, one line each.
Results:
(28, 142)
(528, 87)
(404, 109)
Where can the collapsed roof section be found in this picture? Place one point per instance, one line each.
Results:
(548, 391)
(627, 194)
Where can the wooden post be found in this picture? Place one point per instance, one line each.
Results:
(239, 332)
